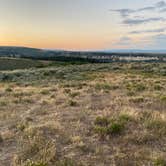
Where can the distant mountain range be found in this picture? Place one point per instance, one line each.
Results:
(27, 50)
(134, 51)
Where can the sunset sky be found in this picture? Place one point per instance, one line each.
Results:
(83, 24)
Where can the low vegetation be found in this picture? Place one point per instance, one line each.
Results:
(83, 114)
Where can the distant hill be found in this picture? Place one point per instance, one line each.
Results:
(135, 51)
(21, 52)
(88, 56)
(20, 63)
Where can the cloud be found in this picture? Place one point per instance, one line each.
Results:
(150, 8)
(160, 4)
(163, 10)
(124, 12)
(142, 21)
(143, 17)
(148, 31)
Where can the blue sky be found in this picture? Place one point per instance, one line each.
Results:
(83, 24)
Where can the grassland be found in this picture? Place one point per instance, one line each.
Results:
(89, 114)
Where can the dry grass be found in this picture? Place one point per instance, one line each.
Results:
(85, 115)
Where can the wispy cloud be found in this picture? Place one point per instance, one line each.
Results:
(141, 21)
(123, 12)
(127, 14)
(150, 8)
(163, 10)
(143, 18)
(160, 4)
(160, 30)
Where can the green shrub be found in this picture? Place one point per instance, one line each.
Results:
(158, 87)
(136, 87)
(163, 98)
(74, 94)
(159, 162)
(67, 91)
(3, 103)
(1, 139)
(8, 89)
(45, 92)
(72, 103)
(115, 128)
(101, 131)
(106, 126)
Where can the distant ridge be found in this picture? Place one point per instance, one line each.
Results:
(83, 56)
(23, 48)
(134, 51)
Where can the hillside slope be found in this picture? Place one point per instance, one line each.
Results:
(19, 63)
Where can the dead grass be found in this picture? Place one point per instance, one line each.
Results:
(92, 114)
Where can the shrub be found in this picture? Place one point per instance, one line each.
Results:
(158, 87)
(105, 126)
(72, 103)
(136, 87)
(67, 91)
(1, 139)
(115, 128)
(74, 94)
(159, 162)
(45, 92)
(8, 89)
(163, 98)
(3, 103)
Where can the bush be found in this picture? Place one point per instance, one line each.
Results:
(74, 94)
(158, 87)
(105, 126)
(160, 162)
(8, 89)
(163, 98)
(115, 128)
(1, 139)
(136, 87)
(72, 103)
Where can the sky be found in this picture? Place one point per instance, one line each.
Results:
(83, 24)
